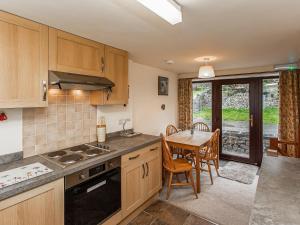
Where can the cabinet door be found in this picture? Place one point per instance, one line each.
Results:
(74, 54)
(40, 206)
(132, 187)
(116, 70)
(153, 179)
(23, 62)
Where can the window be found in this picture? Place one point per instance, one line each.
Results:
(202, 103)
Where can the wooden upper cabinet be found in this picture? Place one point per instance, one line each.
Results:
(23, 62)
(74, 54)
(116, 70)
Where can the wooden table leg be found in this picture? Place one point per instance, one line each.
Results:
(198, 172)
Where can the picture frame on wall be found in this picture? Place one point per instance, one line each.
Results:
(163, 85)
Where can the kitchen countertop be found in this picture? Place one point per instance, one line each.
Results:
(123, 145)
(277, 199)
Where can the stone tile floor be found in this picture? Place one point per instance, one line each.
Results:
(161, 213)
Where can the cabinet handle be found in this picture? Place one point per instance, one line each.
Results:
(134, 157)
(143, 171)
(147, 169)
(102, 64)
(153, 149)
(44, 86)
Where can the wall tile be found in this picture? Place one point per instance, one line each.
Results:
(67, 121)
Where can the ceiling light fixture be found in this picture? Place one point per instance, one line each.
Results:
(206, 71)
(169, 10)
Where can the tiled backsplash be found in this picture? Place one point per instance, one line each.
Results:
(68, 120)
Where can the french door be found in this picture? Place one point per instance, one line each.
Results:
(237, 112)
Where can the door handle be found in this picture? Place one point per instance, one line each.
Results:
(147, 169)
(251, 120)
(44, 87)
(143, 171)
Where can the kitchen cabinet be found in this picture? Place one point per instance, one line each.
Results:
(73, 54)
(23, 62)
(116, 70)
(141, 177)
(41, 206)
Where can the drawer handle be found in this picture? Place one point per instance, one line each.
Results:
(134, 157)
(153, 149)
(147, 169)
(143, 171)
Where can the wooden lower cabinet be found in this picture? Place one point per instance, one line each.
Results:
(41, 206)
(141, 177)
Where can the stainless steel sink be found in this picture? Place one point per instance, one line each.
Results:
(129, 134)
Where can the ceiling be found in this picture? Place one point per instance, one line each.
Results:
(240, 33)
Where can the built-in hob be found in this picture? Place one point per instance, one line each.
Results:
(70, 159)
(79, 148)
(57, 154)
(72, 155)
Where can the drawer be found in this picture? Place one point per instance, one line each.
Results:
(148, 151)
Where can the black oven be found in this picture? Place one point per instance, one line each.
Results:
(94, 194)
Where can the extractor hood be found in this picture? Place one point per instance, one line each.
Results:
(71, 81)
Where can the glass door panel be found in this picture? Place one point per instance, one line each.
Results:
(202, 103)
(235, 120)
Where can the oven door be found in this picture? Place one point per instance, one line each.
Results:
(93, 201)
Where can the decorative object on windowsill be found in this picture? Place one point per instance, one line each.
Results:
(3, 116)
(206, 70)
(163, 85)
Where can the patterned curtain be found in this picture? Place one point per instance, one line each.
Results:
(185, 103)
(289, 91)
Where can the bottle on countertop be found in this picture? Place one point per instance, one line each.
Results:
(101, 130)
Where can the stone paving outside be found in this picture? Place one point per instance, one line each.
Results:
(236, 136)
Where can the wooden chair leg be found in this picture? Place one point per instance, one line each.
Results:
(169, 185)
(186, 176)
(177, 178)
(209, 170)
(216, 167)
(192, 182)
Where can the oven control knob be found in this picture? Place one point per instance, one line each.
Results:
(110, 165)
(81, 176)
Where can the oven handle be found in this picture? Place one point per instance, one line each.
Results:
(96, 186)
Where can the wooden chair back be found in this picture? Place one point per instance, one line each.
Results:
(213, 145)
(171, 129)
(167, 155)
(200, 126)
(281, 146)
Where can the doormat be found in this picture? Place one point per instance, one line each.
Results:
(240, 172)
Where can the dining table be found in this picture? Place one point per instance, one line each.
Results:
(193, 141)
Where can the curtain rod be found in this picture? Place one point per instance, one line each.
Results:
(237, 76)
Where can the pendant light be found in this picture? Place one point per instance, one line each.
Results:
(206, 71)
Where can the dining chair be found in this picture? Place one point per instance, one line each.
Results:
(211, 154)
(175, 167)
(171, 129)
(200, 126)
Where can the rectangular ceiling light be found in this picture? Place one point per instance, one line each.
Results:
(166, 9)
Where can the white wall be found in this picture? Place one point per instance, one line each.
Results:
(11, 132)
(144, 107)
